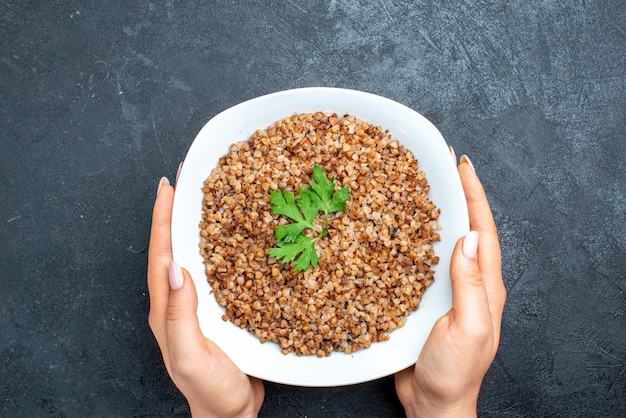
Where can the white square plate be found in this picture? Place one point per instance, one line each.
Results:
(266, 361)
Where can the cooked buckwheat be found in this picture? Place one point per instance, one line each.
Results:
(375, 264)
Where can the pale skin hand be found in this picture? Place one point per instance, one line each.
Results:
(448, 374)
(212, 384)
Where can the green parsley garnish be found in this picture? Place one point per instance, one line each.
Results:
(291, 240)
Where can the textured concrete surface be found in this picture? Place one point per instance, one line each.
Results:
(100, 99)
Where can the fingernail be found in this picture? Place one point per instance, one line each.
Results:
(453, 154)
(163, 181)
(465, 159)
(470, 244)
(180, 166)
(176, 275)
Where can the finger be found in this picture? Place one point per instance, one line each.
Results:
(481, 220)
(184, 337)
(469, 298)
(159, 257)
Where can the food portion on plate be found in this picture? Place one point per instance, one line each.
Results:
(372, 233)
(317, 233)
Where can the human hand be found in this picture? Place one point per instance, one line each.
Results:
(448, 374)
(211, 382)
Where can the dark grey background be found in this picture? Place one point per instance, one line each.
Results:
(98, 100)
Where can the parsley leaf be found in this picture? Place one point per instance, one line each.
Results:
(326, 198)
(284, 203)
(289, 250)
(291, 240)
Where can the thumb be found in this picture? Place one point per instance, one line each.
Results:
(184, 336)
(469, 298)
